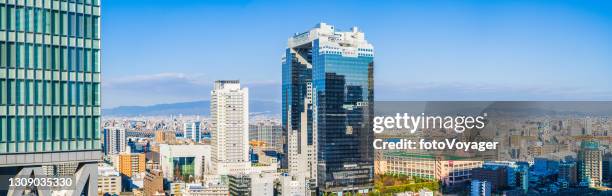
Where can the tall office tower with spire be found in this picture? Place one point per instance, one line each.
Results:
(229, 110)
(50, 89)
(327, 109)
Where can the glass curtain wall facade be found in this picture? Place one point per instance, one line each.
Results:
(184, 168)
(192, 130)
(328, 97)
(344, 94)
(49, 76)
(296, 75)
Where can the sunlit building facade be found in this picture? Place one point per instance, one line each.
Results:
(185, 163)
(450, 173)
(131, 164)
(192, 130)
(109, 180)
(229, 110)
(115, 141)
(327, 109)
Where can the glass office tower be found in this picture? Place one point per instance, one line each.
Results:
(328, 109)
(49, 84)
(192, 130)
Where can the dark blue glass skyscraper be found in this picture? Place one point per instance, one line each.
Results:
(327, 109)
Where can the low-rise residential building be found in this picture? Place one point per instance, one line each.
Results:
(109, 180)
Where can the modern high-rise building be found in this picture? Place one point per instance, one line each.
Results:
(252, 184)
(50, 88)
(115, 141)
(239, 184)
(328, 94)
(267, 132)
(192, 130)
(229, 109)
(590, 164)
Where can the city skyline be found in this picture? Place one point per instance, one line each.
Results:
(324, 141)
(480, 50)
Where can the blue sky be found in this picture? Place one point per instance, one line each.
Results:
(158, 51)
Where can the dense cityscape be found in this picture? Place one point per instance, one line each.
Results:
(52, 127)
(231, 152)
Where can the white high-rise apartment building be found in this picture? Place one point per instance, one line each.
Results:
(229, 109)
(114, 140)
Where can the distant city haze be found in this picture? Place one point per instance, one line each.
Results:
(155, 52)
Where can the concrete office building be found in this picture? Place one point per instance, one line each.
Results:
(239, 184)
(185, 163)
(109, 180)
(229, 108)
(50, 89)
(262, 183)
(252, 184)
(292, 186)
(327, 95)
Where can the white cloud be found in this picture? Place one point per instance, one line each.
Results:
(173, 87)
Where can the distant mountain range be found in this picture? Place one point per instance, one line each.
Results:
(256, 107)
